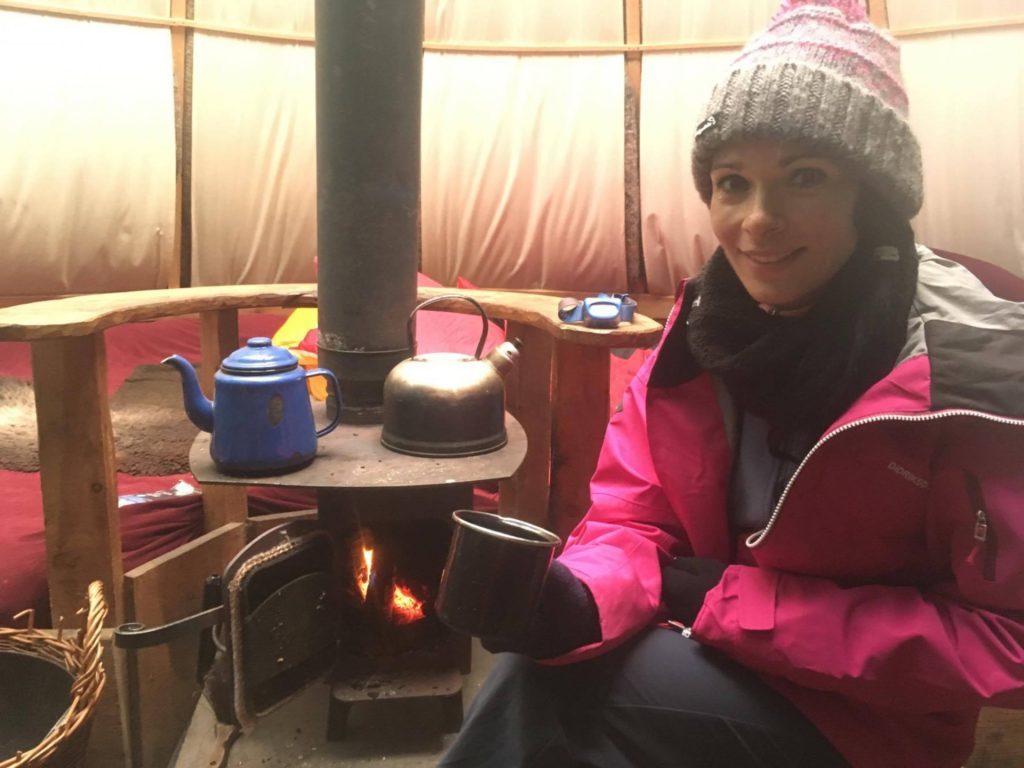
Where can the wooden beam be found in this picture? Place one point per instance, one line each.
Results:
(83, 315)
(218, 339)
(580, 415)
(87, 314)
(160, 682)
(636, 273)
(178, 268)
(78, 472)
(528, 398)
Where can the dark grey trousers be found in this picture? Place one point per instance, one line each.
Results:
(660, 701)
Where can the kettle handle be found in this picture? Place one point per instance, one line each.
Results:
(337, 396)
(483, 315)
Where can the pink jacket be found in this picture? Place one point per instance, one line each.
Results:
(888, 597)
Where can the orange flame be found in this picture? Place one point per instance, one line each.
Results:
(407, 608)
(363, 574)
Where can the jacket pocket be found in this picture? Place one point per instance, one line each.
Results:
(985, 539)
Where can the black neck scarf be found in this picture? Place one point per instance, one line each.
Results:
(801, 373)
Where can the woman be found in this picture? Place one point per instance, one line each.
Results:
(817, 478)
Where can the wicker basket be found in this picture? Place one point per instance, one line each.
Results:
(64, 746)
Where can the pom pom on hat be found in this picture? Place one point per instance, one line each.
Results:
(819, 74)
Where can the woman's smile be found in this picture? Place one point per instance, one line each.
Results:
(770, 258)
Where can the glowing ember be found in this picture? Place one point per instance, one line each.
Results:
(365, 569)
(407, 608)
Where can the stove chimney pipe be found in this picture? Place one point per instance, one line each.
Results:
(369, 72)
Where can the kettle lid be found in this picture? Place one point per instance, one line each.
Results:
(258, 356)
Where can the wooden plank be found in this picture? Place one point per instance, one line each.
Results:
(541, 311)
(218, 339)
(528, 399)
(82, 315)
(78, 472)
(999, 739)
(653, 305)
(579, 418)
(107, 745)
(161, 687)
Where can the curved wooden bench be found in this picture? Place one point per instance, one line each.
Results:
(559, 393)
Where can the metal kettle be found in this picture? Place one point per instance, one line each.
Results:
(446, 403)
(261, 416)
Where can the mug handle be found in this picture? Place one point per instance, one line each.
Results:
(337, 396)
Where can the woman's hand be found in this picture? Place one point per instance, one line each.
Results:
(684, 583)
(566, 618)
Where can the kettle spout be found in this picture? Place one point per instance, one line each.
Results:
(198, 408)
(504, 356)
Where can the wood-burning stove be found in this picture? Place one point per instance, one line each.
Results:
(389, 520)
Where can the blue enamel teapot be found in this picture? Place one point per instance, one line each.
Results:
(261, 417)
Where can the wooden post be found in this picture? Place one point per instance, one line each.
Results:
(528, 398)
(78, 472)
(223, 504)
(636, 274)
(219, 328)
(180, 268)
(580, 415)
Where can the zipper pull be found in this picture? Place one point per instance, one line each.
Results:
(980, 526)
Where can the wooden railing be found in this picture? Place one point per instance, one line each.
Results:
(559, 393)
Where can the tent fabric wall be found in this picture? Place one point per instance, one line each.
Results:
(523, 159)
(253, 162)
(87, 177)
(253, 148)
(523, 156)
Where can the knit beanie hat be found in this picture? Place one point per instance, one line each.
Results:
(819, 74)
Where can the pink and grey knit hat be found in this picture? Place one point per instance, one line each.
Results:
(820, 74)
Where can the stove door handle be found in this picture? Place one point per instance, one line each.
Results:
(135, 635)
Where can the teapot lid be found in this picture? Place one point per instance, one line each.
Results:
(259, 355)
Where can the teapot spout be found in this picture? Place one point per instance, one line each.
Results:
(504, 356)
(198, 408)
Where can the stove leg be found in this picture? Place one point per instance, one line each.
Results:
(337, 719)
(451, 712)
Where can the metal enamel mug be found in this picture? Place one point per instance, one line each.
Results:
(494, 574)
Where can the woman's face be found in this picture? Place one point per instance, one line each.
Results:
(784, 217)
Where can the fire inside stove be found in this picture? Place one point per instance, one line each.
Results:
(401, 604)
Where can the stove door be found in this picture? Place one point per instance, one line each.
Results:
(279, 634)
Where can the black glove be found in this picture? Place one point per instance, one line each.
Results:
(566, 618)
(684, 583)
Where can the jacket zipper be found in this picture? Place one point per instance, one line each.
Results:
(757, 539)
(984, 532)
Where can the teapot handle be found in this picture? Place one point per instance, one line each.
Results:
(337, 396)
(483, 315)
